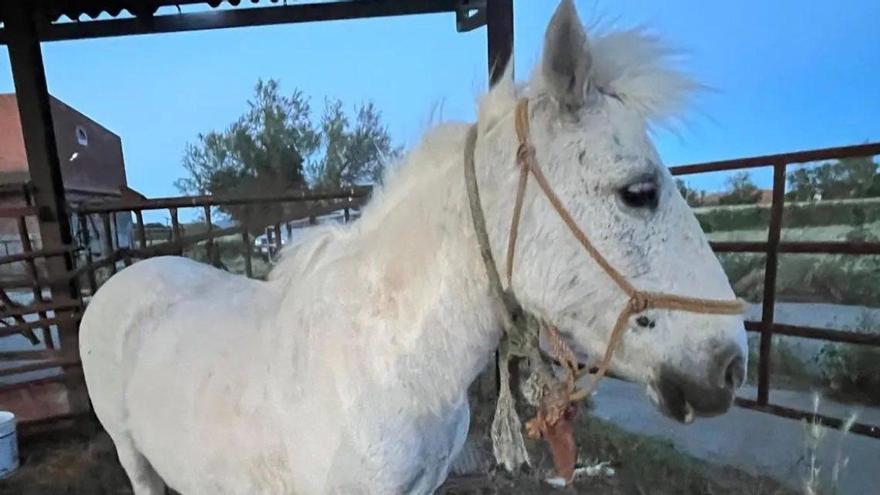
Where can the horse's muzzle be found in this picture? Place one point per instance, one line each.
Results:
(683, 397)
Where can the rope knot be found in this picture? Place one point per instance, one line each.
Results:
(525, 154)
(639, 302)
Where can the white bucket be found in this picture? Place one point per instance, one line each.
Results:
(8, 444)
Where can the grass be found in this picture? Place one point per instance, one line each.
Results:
(852, 372)
(786, 368)
(75, 463)
(812, 480)
(642, 464)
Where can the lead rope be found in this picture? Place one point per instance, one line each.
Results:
(521, 329)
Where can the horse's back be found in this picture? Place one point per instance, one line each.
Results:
(169, 302)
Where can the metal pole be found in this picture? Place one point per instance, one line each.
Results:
(768, 307)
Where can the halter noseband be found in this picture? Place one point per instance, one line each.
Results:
(520, 327)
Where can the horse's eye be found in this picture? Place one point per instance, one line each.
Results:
(641, 194)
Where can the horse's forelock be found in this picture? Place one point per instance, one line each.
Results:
(631, 66)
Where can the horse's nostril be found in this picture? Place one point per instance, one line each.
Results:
(735, 372)
(645, 322)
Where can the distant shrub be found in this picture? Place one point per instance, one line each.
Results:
(821, 213)
(836, 279)
(786, 368)
(852, 370)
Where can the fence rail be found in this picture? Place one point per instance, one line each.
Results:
(772, 248)
(314, 204)
(48, 322)
(800, 247)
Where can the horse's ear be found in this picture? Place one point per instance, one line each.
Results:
(566, 60)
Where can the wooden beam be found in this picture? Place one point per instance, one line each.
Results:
(241, 17)
(499, 32)
(352, 194)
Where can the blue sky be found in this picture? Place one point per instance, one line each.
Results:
(787, 75)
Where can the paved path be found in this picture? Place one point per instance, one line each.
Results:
(753, 441)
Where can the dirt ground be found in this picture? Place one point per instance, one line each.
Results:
(85, 463)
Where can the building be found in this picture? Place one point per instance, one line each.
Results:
(92, 168)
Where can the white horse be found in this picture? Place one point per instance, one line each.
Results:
(347, 371)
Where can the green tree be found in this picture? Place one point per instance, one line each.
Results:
(353, 154)
(846, 178)
(740, 190)
(693, 197)
(275, 147)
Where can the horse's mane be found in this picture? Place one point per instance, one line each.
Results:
(420, 166)
(628, 67)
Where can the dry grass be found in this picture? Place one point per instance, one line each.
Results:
(75, 464)
(815, 479)
(83, 464)
(642, 466)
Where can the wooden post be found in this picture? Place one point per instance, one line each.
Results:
(499, 37)
(210, 249)
(499, 34)
(115, 217)
(246, 241)
(26, 247)
(175, 231)
(141, 230)
(34, 106)
(278, 243)
(108, 242)
(87, 241)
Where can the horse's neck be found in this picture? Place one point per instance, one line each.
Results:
(431, 285)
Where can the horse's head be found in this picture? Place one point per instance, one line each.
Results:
(590, 107)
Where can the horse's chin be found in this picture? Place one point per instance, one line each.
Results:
(678, 409)
(673, 404)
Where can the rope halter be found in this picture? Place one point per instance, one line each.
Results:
(522, 329)
(639, 301)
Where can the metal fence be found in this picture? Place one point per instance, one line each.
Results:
(37, 320)
(772, 248)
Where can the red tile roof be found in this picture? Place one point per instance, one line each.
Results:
(12, 155)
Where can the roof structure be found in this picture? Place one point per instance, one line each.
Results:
(91, 155)
(79, 19)
(12, 154)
